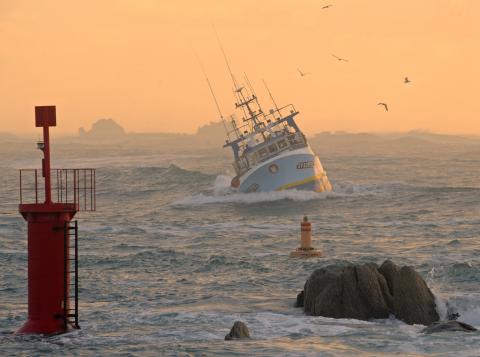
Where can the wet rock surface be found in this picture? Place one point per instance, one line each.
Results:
(448, 326)
(369, 292)
(238, 331)
(300, 299)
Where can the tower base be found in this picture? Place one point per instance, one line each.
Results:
(305, 253)
(43, 327)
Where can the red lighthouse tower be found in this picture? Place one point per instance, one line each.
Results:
(52, 236)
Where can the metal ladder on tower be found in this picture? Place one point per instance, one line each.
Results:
(70, 312)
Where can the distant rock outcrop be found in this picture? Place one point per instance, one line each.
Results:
(211, 134)
(366, 291)
(448, 326)
(238, 331)
(103, 129)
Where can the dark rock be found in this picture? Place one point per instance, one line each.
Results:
(300, 298)
(413, 302)
(238, 331)
(358, 292)
(448, 326)
(366, 291)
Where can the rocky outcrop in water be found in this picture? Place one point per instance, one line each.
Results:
(369, 292)
(300, 298)
(413, 302)
(103, 129)
(448, 326)
(238, 331)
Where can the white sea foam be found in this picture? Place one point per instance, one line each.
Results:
(471, 315)
(269, 325)
(254, 197)
(467, 306)
(468, 310)
(223, 193)
(221, 186)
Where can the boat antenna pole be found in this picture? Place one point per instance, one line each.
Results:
(271, 96)
(212, 92)
(226, 59)
(249, 84)
(237, 89)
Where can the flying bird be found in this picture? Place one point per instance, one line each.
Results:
(385, 105)
(406, 80)
(326, 6)
(339, 58)
(302, 73)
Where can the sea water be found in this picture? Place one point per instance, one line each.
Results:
(172, 257)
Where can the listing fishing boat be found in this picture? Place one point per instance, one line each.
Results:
(270, 151)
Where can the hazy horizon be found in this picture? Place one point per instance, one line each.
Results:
(134, 61)
(55, 132)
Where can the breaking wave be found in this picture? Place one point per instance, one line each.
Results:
(223, 193)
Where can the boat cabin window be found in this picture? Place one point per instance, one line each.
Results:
(272, 148)
(282, 144)
(292, 139)
(251, 159)
(262, 153)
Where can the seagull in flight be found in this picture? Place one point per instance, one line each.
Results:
(406, 80)
(339, 58)
(326, 6)
(385, 105)
(302, 74)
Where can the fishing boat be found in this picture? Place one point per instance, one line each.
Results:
(270, 151)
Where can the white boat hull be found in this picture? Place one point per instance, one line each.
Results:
(297, 169)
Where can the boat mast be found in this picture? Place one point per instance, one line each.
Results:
(242, 100)
(252, 91)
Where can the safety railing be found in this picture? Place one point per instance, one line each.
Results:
(279, 113)
(270, 118)
(69, 186)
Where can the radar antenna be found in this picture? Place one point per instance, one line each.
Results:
(252, 90)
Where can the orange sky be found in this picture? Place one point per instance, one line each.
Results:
(132, 60)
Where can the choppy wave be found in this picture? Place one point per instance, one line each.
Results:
(174, 256)
(150, 180)
(464, 304)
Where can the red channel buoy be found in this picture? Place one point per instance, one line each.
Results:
(52, 236)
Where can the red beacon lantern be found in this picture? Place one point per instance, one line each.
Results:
(53, 236)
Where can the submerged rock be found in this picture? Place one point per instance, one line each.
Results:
(300, 298)
(452, 312)
(238, 331)
(448, 326)
(366, 291)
